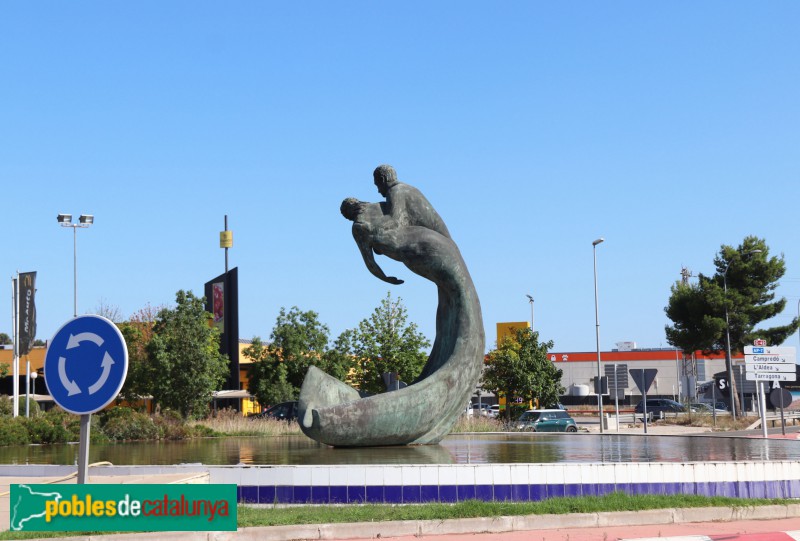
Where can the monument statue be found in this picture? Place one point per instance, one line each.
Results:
(405, 228)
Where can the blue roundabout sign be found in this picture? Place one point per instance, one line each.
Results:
(86, 364)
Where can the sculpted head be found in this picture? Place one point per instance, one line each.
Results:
(385, 177)
(351, 208)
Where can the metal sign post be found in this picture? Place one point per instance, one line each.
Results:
(763, 402)
(643, 377)
(85, 366)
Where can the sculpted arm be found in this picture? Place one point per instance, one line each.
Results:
(365, 247)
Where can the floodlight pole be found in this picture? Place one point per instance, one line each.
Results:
(74, 271)
(530, 299)
(85, 221)
(597, 337)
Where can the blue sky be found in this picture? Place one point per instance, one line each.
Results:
(534, 128)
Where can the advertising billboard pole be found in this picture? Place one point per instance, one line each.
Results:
(226, 241)
(15, 332)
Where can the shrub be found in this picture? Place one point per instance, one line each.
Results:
(7, 407)
(44, 430)
(171, 426)
(13, 432)
(70, 422)
(121, 424)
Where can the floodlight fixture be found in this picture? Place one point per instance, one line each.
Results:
(65, 219)
(86, 219)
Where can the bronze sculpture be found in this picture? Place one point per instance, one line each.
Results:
(407, 229)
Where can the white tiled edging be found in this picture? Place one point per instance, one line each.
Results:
(452, 483)
(506, 482)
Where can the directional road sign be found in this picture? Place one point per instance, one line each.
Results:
(770, 376)
(770, 367)
(775, 359)
(758, 350)
(86, 364)
(770, 363)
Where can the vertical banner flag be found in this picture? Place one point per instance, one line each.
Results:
(219, 305)
(27, 312)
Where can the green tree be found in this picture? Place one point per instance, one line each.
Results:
(698, 311)
(267, 375)
(519, 369)
(5, 340)
(694, 326)
(138, 332)
(298, 341)
(184, 354)
(382, 343)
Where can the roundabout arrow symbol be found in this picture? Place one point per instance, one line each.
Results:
(70, 386)
(107, 363)
(76, 339)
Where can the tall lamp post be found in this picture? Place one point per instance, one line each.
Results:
(530, 299)
(731, 382)
(597, 337)
(84, 221)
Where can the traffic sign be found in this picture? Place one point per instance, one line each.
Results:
(770, 367)
(758, 350)
(780, 398)
(643, 377)
(770, 376)
(774, 359)
(86, 364)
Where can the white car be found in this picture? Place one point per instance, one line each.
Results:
(493, 410)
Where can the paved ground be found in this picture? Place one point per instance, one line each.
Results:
(658, 428)
(771, 525)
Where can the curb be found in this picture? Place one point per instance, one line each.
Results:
(419, 528)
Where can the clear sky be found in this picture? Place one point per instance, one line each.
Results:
(667, 128)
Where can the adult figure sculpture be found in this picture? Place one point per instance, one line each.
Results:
(405, 204)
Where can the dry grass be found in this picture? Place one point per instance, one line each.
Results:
(477, 423)
(231, 423)
(724, 421)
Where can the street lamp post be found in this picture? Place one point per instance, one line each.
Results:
(530, 299)
(84, 221)
(597, 337)
(731, 382)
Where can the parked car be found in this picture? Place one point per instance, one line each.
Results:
(699, 407)
(660, 406)
(550, 420)
(493, 410)
(706, 407)
(285, 411)
(480, 408)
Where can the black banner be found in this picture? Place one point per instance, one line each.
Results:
(27, 312)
